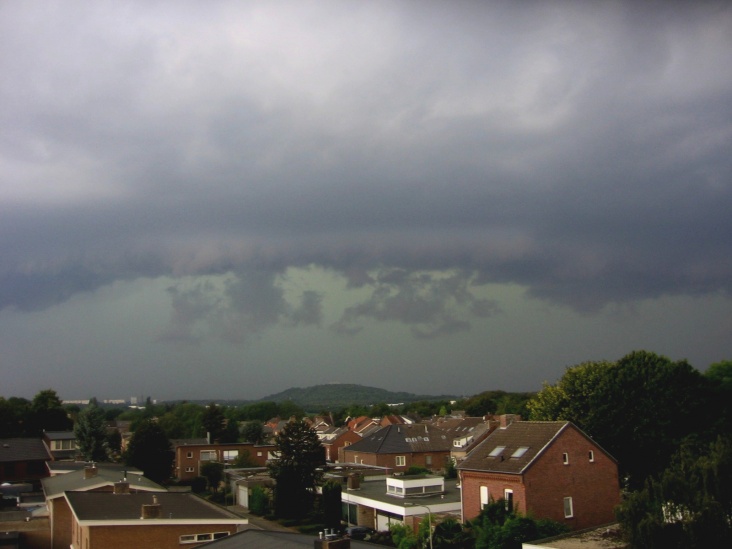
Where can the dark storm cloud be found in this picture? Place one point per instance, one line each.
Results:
(581, 151)
(431, 306)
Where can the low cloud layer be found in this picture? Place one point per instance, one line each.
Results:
(580, 151)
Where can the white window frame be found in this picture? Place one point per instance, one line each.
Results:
(199, 538)
(484, 496)
(400, 461)
(508, 497)
(568, 507)
(231, 455)
(592, 456)
(565, 458)
(190, 469)
(189, 455)
(209, 455)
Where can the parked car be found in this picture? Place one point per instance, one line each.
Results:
(359, 532)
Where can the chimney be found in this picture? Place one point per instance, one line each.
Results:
(121, 487)
(90, 471)
(354, 481)
(508, 419)
(151, 510)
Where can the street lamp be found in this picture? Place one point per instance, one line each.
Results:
(429, 517)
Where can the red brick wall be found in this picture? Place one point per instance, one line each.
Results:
(157, 536)
(497, 484)
(182, 461)
(60, 514)
(389, 460)
(593, 486)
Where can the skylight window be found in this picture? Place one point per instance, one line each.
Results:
(497, 451)
(520, 452)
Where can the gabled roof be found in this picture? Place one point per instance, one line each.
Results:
(398, 439)
(514, 448)
(59, 435)
(54, 487)
(106, 506)
(23, 449)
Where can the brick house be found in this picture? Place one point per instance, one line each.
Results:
(166, 520)
(398, 447)
(92, 478)
(549, 469)
(189, 457)
(338, 438)
(61, 444)
(23, 459)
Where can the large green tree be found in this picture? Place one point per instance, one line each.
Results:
(639, 408)
(688, 506)
(48, 413)
(91, 433)
(296, 469)
(214, 422)
(149, 449)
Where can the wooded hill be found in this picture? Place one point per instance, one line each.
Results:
(342, 395)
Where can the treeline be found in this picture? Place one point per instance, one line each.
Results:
(20, 417)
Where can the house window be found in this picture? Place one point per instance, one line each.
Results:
(483, 496)
(508, 496)
(401, 461)
(189, 455)
(592, 456)
(231, 455)
(198, 538)
(189, 469)
(520, 452)
(259, 454)
(428, 460)
(565, 458)
(568, 508)
(208, 455)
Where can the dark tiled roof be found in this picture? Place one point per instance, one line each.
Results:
(188, 442)
(60, 435)
(23, 449)
(109, 506)
(398, 439)
(534, 436)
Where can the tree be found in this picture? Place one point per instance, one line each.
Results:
(259, 501)
(214, 422)
(331, 503)
(688, 506)
(91, 433)
(639, 408)
(253, 431)
(296, 470)
(149, 449)
(48, 413)
(213, 473)
(499, 527)
(244, 460)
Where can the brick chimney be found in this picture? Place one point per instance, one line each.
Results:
(151, 510)
(90, 471)
(121, 487)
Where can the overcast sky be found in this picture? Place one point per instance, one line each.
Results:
(228, 199)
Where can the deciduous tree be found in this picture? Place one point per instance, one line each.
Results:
(150, 450)
(91, 433)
